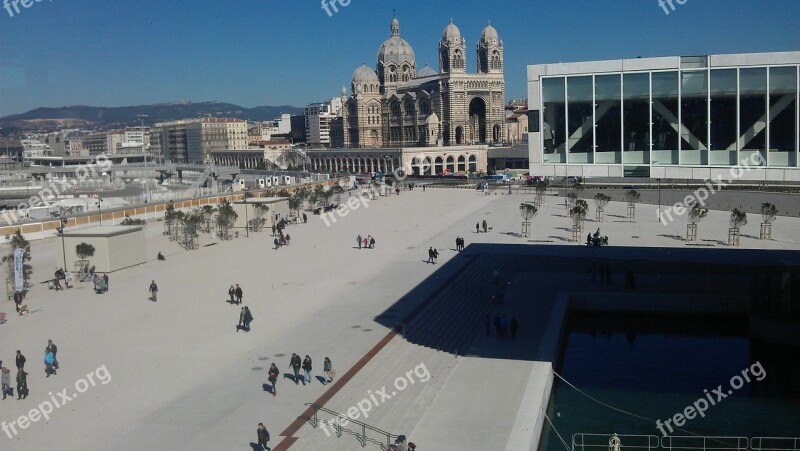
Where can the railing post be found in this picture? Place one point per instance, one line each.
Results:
(363, 439)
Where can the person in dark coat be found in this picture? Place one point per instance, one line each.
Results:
(485, 226)
(20, 360)
(239, 294)
(272, 377)
(18, 299)
(514, 326)
(51, 347)
(307, 370)
(153, 291)
(248, 318)
(477, 227)
(263, 436)
(295, 363)
(105, 281)
(430, 255)
(22, 384)
(232, 293)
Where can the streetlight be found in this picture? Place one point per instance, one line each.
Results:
(141, 118)
(60, 231)
(99, 201)
(658, 212)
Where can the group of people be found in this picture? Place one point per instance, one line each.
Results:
(483, 224)
(100, 283)
(50, 362)
(235, 294)
(60, 275)
(502, 325)
(245, 318)
(433, 254)
(596, 239)
(459, 243)
(282, 240)
(365, 243)
(306, 364)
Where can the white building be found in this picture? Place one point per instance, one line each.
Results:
(318, 118)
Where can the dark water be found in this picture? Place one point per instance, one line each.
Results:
(656, 367)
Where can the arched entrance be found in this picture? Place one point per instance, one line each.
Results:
(438, 165)
(477, 120)
(451, 164)
(473, 163)
(459, 135)
(496, 135)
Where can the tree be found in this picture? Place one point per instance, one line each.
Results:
(601, 201)
(696, 214)
(294, 204)
(336, 191)
(632, 198)
(128, 221)
(768, 213)
(528, 211)
(283, 193)
(84, 250)
(578, 215)
(738, 218)
(170, 215)
(572, 197)
(541, 189)
(208, 216)
(226, 217)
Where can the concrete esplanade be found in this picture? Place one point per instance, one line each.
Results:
(406, 337)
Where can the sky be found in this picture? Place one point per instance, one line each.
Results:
(269, 52)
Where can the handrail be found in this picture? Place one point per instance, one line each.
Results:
(705, 443)
(338, 428)
(795, 441)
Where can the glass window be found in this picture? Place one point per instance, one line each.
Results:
(554, 124)
(636, 114)
(694, 112)
(533, 121)
(579, 112)
(608, 113)
(722, 140)
(752, 111)
(665, 117)
(782, 112)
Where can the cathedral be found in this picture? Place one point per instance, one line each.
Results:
(397, 105)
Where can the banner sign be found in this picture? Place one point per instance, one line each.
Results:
(19, 276)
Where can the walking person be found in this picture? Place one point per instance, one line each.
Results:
(22, 384)
(485, 226)
(232, 293)
(248, 318)
(105, 282)
(358, 240)
(458, 244)
(327, 366)
(48, 363)
(263, 436)
(514, 326)
(5, 382)
(18, 299)
(239, 293)
(477, 227)
(51, 347)
(295, 363)
(365, 243)
(430, 255)
(435, 256)
(372, 242)
(307, 370)
(272, 377)
(20, 361)
(153, 291)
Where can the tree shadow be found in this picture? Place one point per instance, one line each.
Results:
(561, 238)
(674, 237)
(750, 236)
(617, 216)
(514, 234)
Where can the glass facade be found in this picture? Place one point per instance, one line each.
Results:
(697, 117)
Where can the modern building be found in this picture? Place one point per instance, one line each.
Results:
(318, 118)
(395, 105)
(695, 117)
(193, 140)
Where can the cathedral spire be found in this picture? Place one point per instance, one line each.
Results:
(395, 25)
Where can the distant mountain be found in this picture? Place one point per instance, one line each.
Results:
(102, 117)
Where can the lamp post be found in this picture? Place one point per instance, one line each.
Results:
(60, 231)
(658, 212)
(141, 118)
(99, 201)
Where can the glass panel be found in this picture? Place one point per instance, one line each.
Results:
(608, 113)
(752, 115)
(554, 125)
(665, 118)
(723, 117)
(579, 113)
(636, 113)
(782, 111)
(694, 118)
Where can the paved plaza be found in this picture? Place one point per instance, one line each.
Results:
(181, 377)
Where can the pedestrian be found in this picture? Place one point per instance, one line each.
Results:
(307, 370)
(96, 281)
(239, 293)
(5, 382)
(358, 240)
(288, 239)
(54, 349)
(372, 242)
(488, 323)
(514, 326)
(272, 377)
(273, 229)
(365, 243)
(458, 244)
(485, 226)
(305, 218)
(295, 364)
(277, 243)
(232, 293)
(477, 227)
(327, 366)
(497, 324)
(412, 446)
(435, 255)
(423, 188)
(105, 282)
(18, 299)
(242, 320)
(430, 255)
(48, 363)
(20, 360)
(248, 318)
(153, 291)
(22, 384)
(263, 436)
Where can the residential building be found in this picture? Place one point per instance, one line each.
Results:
(193, 140)
(318, 117)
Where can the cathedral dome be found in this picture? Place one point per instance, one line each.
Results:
(451, 33)
(395, 49)
(426, 72)
(364, 75)
(489, 35)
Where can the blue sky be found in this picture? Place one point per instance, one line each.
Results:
(269, 52)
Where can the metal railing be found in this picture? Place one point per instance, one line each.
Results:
(620, 442)
(775, 443)
(339, 418)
